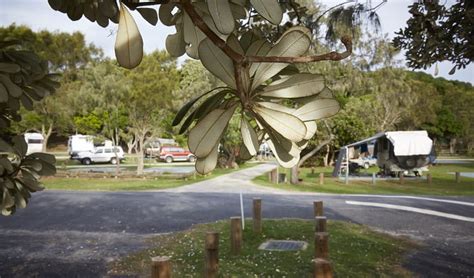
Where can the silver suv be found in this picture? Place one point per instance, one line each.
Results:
(100, 155)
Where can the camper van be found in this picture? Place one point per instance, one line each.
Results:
(396, 152)
(34, 141)
(80, 143)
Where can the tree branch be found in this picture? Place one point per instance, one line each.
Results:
(331, 56)
(199, 22)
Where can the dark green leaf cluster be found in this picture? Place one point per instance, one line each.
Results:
(100, 11)
(19, 174)
(24, 78)
(436, 33)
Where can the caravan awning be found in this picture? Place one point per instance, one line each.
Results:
(410, 142)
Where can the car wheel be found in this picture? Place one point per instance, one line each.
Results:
(366, 165)
(113, 160)
(86, 161)
(192, 158)
(169, 159)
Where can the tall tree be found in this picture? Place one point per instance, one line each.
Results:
(66, 54)
(151, 97)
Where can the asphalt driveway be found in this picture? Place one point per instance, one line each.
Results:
(75, 234)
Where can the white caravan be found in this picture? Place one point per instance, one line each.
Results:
(34, 141)
(80, 143)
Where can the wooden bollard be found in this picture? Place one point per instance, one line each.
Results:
(429, 178)
(374, 178)
(320, 224)
(274, 176)
(458, 177)
(211, 265)
(322, 268)
(321, 245)
(321, 178)
(160, 267)
(235, 235)
(257, 215)
(318, 208)
(312, 170)
(402, 178)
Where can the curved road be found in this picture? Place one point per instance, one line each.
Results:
(76, 233)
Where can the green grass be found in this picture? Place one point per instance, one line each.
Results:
(129, 184)
(355, 251)
(443, 183)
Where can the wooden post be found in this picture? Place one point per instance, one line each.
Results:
(312, 170)
(318, 208)
(257, 215)
(458, 177)
(235, 235)
(322, 268)
(429, 178)
(402, 177)
(374, 178)
(321, 245)
(160, 267)
(274, 176)
(320, 222)
(321, 178)
(211, 265)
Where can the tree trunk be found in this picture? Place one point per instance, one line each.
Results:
(46, 134)
(326, 156)
(131, 145)
(115, 142)
(452, 146)
(294, 171)
(294, 176)
(139, 152)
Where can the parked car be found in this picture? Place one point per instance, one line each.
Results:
(170, 154)
(365, 162)
(100, 155)
(153, 148)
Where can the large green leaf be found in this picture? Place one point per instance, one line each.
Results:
(221, 15)
(269, 9)
(311, 128)
(207, 164)
(49, 158)
(283, 157)
(295, 86)
(129, 43)
(185, 108)
(326, 93)
(192, 36)
(149, 15)
(257, 48)
(206, 133)
(19, 144)
(9, 67)
(294, 42)
(249, 137)
(12, 88)
(217, 62)
(175, 44)
(165, 14)
(285, 124)
(276, 106)
(318, 109)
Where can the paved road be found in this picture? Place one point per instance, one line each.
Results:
(64, 233)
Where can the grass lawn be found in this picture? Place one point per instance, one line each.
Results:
(355, 251)
(129, 184)
(443, 183)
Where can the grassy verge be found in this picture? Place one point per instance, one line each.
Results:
(129, 184)
(355, 251)
(443, 183)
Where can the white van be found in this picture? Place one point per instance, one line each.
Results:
(34, 141)
(80, 143)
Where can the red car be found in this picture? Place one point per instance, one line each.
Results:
(170, 154)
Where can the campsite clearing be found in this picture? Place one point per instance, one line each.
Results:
(443, 182)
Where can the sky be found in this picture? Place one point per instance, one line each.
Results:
(38, 15)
